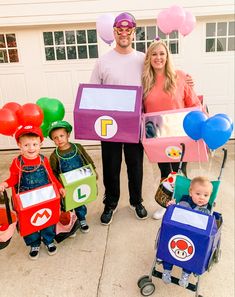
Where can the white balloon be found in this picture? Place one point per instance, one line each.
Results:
(104, 27)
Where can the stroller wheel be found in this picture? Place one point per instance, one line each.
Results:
(144, 279)
(217, 256)
(147, 289)
(210, 265)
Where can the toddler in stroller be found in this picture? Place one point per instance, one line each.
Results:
(199, 194)
(189, 236)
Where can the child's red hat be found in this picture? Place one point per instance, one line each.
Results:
(28, 129)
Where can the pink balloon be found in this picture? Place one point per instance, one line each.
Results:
(188, 24)
(104, 26)
(163, 22)
(176, 16)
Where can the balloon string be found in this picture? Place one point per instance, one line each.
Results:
(211, 160)
(199, 154)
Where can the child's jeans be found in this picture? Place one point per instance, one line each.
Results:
(81, 212)
(169, 266)
(47, 235)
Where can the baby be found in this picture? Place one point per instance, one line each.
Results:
(200, 191)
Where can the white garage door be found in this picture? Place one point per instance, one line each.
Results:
(35, 76)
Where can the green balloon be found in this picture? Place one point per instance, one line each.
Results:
(52, 108)
(44, 126)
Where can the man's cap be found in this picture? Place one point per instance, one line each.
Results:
(124, 20)
(22, 130)
(59, 124)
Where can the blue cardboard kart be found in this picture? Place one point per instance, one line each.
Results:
(187, 238)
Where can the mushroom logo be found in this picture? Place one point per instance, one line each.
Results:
(181, 247)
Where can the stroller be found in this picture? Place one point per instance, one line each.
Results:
(187, 232)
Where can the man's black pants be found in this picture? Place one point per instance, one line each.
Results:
(112, 160)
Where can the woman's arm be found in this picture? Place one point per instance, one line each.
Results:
(190, 97)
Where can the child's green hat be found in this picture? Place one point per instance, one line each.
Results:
(59, 124)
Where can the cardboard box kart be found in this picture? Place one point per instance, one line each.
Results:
(188, 238)
(80, 186)
(108, 113)
(36, 209)
(164, 135)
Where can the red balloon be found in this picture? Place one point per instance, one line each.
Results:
(8, 122)
(12, 106)
(30, 114)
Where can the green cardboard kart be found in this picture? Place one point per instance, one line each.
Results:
(80, 186)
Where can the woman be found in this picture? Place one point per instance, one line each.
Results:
(165, 89)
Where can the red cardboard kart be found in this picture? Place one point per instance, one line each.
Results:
(36, 209)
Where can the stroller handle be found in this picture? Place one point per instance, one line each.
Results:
(183, 151)
(181, 158)
(225, 157)
(8, 210)
(223, 162)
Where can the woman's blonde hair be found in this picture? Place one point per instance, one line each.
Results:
(149, 76)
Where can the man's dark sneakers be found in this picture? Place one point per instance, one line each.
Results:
(140, 211)
(107, 215)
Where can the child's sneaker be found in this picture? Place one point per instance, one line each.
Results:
(166, 276)
(159, 213)
(183, 282)
(84, 227)
(34, 252)
(51, 249)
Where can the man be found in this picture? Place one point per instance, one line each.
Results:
(121, 66)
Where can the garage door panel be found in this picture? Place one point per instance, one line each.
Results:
(82, 76)
(59, 85)
(13, 87)
(213, 75)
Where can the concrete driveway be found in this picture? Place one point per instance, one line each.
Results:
(108, 261)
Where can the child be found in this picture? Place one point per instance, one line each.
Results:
(66, 157)
(200, 191)
(28, 171)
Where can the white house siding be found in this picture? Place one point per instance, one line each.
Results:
(34, 77)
